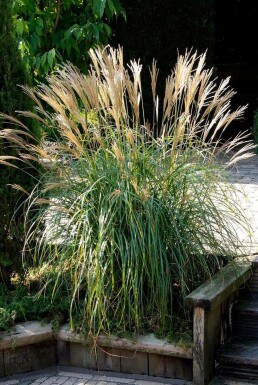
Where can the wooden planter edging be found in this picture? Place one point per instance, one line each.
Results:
(30, 346)
(33, 346)
(211, 303)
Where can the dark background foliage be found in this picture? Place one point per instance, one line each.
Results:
(236, 52)
(227, 29)
(158, 30)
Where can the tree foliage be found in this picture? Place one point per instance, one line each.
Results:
(12, 72)
(53, 31)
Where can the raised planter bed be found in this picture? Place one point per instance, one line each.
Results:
(32, 346)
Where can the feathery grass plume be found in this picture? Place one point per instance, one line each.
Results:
(127, 219)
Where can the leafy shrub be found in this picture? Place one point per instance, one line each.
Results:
(54, 31)
(130, 216)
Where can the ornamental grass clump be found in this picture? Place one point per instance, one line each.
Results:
(129, 215)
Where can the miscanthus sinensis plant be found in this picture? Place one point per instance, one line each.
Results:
(129, 215)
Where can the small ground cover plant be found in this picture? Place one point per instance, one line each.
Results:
(129, 215)
(20, 303)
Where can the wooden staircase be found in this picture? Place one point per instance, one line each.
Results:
(239, 356)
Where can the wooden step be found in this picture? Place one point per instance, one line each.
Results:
(251, 286)
(255, 262)
(229, 380)
(253, 283)
(247, 307)
(246, 374)
(240, 351)
(255, 266)
(239, 358)
(245, 318)
(241, 332)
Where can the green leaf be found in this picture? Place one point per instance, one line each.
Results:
(111, 6)
(19, 27)
(50, 57)
(38, 29)
(95, 31)
(40, 22)
(107, 29)
(67, 34)
(37, 62)
(35, 41)
(75, 45)
(77, 32)
(43, 59)
(68, 46)
(99, 8)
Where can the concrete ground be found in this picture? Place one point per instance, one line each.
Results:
(244, 176)
(78, 376)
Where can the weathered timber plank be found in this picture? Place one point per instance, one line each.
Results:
(198, 351)
(109, 359)
(63, 353)
(157, 365)
(244, 332)
(72, 349)
(236, 371)
(247, 325)
(178, 368)
(206, 333)
(2, 363)
(170, 367)
(228, 379)
(249, 307)
(214, 291)
(148, 343)
(240, 352)
(30, 357)
(27, 333)
(83, 356)
(134, 362)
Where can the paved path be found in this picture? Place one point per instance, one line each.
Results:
(78, 376)
(245, 178)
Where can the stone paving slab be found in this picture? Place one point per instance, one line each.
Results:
(78, 376)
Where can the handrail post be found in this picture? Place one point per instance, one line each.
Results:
(208, 302)
(199, 339)
(206, 333)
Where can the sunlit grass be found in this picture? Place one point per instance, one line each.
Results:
(130, 216)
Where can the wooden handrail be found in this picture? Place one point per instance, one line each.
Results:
(211, 304)
(214, 291)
